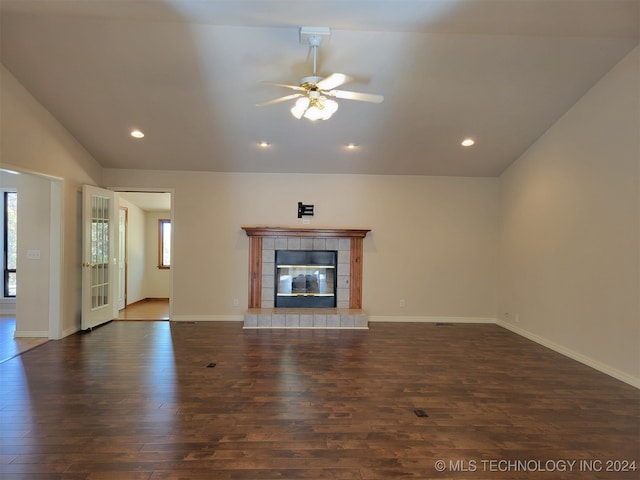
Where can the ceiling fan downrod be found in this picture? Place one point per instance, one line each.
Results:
(315, 41)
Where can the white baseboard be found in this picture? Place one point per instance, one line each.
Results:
(207, 318)
(567, 352)
(415, 319)
(284, 327)
(31, 334)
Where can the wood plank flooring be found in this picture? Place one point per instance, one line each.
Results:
(143, 401)
(147, 309)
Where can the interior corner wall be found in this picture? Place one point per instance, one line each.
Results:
(569, 255)
(32, 140)
(432, 241)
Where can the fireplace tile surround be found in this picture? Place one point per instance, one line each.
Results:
(270, 245)
(263, 243)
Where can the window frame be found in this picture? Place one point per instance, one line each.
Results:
(6, 271)
(161, 243)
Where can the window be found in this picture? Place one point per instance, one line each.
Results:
(10, 242)
(164, 243)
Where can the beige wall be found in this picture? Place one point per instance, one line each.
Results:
(32, 140)
(569, 241)
(433, 239)
(33, 275)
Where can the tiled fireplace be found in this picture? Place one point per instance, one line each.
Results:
(344, 311)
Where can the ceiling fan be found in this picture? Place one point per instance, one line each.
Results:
(315, 94)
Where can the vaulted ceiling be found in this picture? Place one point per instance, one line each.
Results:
(189, 73)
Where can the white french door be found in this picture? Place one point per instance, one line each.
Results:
(99, 265)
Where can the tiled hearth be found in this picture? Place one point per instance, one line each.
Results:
(305, 318)
(264, 241)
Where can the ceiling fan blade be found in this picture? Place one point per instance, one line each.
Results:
(294, 87)
(363, 97)
(278, 100)
(332, 81)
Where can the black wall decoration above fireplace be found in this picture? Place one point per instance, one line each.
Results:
(306, 210)
(305, 278)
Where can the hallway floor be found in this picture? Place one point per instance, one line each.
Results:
(147, 309)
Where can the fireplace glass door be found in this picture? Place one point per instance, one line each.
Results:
(305, 279)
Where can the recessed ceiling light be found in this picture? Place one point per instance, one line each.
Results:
(264, 144)
(351, 146)
(137, 133)
(467, 142)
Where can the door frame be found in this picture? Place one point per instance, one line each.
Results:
(56, 253)
(173, 196)
(122, 249)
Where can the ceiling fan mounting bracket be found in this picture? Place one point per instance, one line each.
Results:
(312, 80)
(313, 35)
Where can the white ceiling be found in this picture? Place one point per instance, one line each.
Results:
(188, 73)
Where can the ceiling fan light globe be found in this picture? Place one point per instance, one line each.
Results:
(314, 113)
(330, 106)
(300, 107)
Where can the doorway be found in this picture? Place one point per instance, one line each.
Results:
(33, 316)
(144, 277)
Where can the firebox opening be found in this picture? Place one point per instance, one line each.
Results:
(305, 278)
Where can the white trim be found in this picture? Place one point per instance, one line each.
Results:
(30, 334)
(19, 169)
(567, 352)
(207, 318)
(284, 327)
(415, 319)
(55, 259)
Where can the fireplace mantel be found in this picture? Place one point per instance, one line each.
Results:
(257, 233)
(264, 231)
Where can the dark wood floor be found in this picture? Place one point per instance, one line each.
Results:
(137, 400)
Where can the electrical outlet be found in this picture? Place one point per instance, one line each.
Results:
(306, 221)
(235, 302)
(402, 303)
